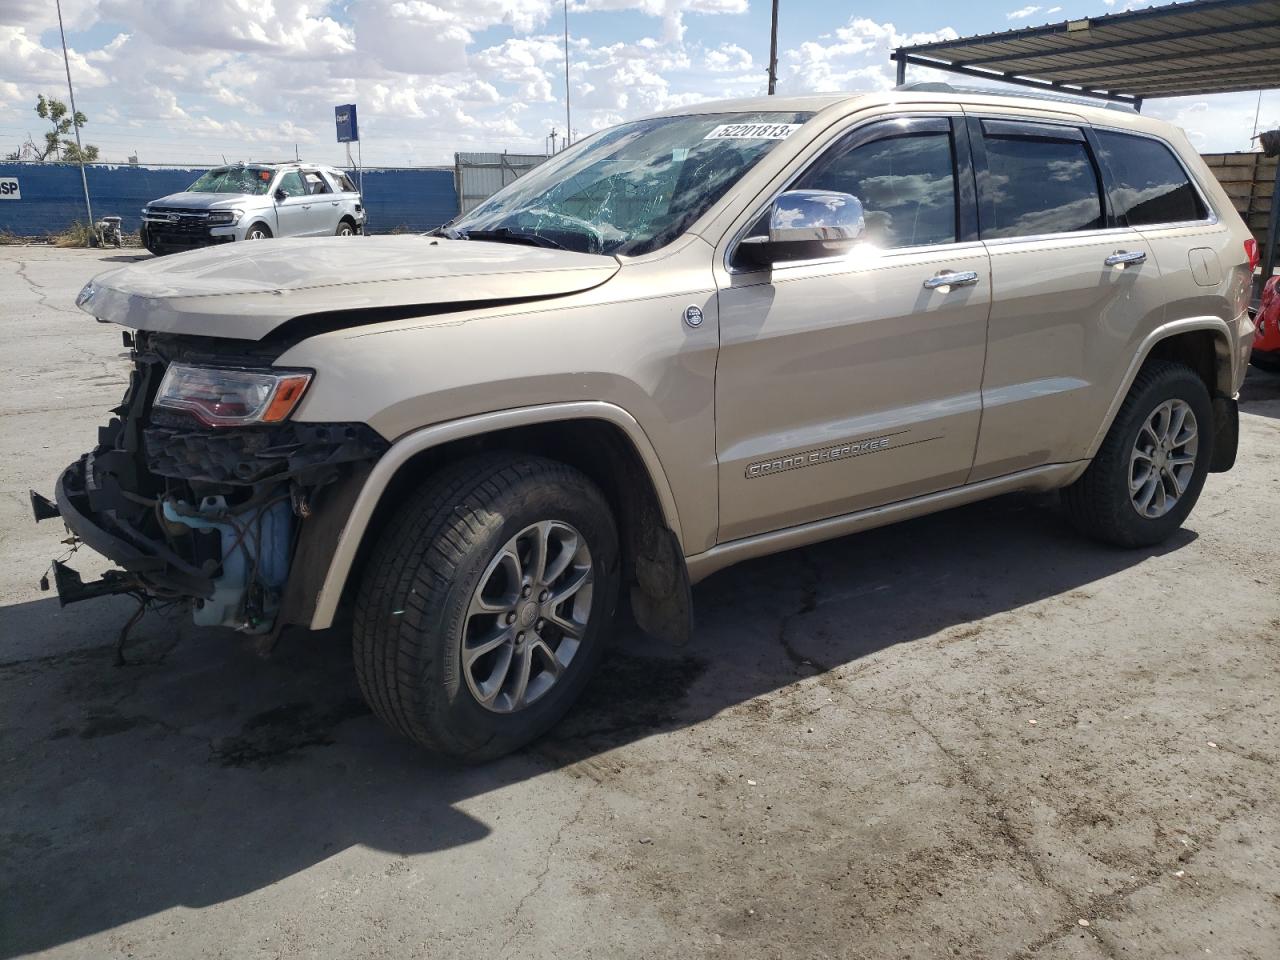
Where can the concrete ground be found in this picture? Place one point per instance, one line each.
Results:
(972, 735)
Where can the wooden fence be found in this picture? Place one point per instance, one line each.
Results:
(1249, 179)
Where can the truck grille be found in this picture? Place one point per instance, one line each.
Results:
(175, 227)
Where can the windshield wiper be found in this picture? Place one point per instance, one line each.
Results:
(507, 235)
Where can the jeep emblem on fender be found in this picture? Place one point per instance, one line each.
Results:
(693, 316)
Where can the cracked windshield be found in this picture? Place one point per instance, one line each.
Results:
(632, 189)
(252, 180)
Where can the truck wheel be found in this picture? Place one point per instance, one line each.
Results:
(259, 231)
(1150, 469)
(486, 603)
(345, 229)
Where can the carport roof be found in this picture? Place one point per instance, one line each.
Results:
(1182, 49)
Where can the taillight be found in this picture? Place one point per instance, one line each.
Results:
(1251, 251)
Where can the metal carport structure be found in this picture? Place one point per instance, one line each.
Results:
(1182, 49)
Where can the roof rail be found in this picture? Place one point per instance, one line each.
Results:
(938, 86)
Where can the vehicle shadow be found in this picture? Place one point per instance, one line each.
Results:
(1261, 386)
(127, 257)
(203, 773)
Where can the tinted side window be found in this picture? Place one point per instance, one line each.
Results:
(291, 184)
(345, 183)
(1150, 185)
(1037, 185)
(907, 186)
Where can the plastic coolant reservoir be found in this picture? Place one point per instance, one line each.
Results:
(267, 532)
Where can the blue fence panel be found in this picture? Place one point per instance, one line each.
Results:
(406, 198)
(52, 196)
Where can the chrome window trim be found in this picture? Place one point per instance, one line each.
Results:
(1212, 220)
(959, 248)
(1071, 234)
(839, 134)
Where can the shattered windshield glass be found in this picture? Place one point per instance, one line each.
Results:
(630, 189)
(253, 180)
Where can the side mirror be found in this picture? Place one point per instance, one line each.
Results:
(807, 225)
(281, 195)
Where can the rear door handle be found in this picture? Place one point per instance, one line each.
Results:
(951, 278)
(1122, 257)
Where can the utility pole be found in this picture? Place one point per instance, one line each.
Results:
(568, 120)
(75, 125)
(773, 51)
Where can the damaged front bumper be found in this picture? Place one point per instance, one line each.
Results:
(230, 520)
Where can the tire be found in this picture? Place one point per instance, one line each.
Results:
(259, 231)
(345, 229)
(413, 604)
(1101, 504)
(1268, 360)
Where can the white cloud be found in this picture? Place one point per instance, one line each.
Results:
(1023, 13)
(189, 80)
(855, 57)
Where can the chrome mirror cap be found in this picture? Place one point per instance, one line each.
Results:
(816, 216)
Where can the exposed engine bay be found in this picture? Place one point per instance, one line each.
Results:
(197, 509)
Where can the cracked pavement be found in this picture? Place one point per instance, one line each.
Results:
(958, 737)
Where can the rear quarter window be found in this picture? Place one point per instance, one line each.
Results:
(1149, 184)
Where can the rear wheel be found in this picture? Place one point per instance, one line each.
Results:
(486, 604)
(1151, 467)
(345, 229)
(259, 231)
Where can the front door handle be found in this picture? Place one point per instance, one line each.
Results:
(1122, 257)
(951, 278)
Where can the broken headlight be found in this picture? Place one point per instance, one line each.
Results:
(231, 398)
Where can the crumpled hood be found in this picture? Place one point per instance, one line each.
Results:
(245, 290)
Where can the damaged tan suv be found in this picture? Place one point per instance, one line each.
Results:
(727, 330)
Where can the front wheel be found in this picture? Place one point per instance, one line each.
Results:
(259, 231)
(486, 604)
(1151, 467)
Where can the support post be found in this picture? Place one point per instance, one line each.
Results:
(773, 51)
(71, 93)
(1273, 227)
(902, 66)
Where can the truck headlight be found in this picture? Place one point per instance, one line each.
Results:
(222, 218)
(231, 398)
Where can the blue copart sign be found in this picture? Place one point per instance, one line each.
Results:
(348, 128)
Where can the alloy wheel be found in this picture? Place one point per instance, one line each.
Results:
(527, 617)
(1163, 459)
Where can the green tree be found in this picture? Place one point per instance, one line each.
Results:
(59, 142)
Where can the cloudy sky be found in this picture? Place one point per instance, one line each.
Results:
(192, 80)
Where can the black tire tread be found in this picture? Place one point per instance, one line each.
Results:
(410, 569)
(1091, 502)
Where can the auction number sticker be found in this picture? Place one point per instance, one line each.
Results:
(752, 131)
